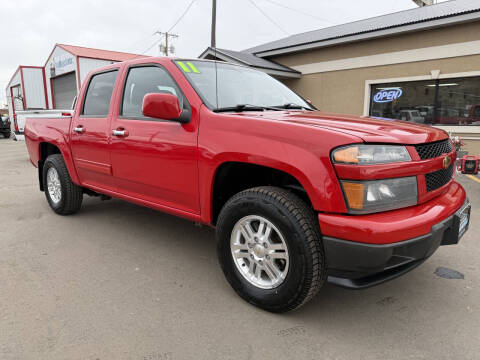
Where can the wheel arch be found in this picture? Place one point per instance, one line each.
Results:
(232, 176)
(45, 149)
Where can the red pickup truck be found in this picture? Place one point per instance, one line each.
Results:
(297, 196)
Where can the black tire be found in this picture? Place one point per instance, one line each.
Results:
(6, 135)
(299, 227)
(71, 194)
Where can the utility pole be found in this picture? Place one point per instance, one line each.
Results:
(214, 24)
(165, 48)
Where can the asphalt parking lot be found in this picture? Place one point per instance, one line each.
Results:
(118, 281)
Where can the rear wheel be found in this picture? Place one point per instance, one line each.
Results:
(270, 249)
(6, 134)
(63, 196)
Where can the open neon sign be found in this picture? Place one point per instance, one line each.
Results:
(387, 95)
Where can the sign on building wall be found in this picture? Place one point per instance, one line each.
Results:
(61, 64)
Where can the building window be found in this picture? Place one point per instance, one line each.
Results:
(434, 102)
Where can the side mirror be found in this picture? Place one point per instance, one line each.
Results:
(161, 106)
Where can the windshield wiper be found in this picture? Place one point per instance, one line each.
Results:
(245, 107)
(293, 106)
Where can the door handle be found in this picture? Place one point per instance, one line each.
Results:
(120, 133)
(79, 129)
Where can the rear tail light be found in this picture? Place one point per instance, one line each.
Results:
(15, 122)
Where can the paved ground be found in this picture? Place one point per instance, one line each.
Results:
(117, 281)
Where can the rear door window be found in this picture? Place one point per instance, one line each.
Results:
(99, 94)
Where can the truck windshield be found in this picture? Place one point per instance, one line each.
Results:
(239, 88)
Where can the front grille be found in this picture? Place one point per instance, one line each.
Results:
(438, 178)
(433, 150)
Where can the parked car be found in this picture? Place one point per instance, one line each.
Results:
(5, 126)
(297, 196)
(474, 115)
(412, 116)
(447, 116)
(427, 112)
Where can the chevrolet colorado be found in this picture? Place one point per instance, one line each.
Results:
(297, 196)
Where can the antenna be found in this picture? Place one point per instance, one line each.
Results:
(213, 44)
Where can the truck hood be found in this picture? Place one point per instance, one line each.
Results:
(366, 128)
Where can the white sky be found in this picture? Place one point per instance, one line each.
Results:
(31, 27)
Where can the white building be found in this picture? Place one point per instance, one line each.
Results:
(55, 85)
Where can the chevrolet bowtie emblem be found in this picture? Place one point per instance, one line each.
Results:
(447, 160)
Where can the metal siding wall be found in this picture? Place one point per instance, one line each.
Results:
(34, 91)
(57, 53)
(87, 65)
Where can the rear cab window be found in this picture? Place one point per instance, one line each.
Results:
(99, 94)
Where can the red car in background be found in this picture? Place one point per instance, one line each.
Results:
(474, 117)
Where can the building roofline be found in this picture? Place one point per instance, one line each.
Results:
(65, 48)
(363, 36)
(11, 78)
(422, 24)
(51, 52)
(19, 69)
(287, 72)
(90, 48)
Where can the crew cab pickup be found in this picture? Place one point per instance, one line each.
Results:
(298, 197)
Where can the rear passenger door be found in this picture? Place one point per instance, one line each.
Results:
(90, 132)
(154, 160)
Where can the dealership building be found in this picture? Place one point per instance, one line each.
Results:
(55, 84)
(420, 65)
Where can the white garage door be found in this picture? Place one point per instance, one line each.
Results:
(64, 90)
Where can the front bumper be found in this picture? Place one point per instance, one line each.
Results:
(358, 265)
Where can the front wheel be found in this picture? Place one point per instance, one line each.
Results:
(270, 250)
(63, 196)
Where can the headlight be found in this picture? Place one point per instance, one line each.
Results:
(364, 154)
(364, 197)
